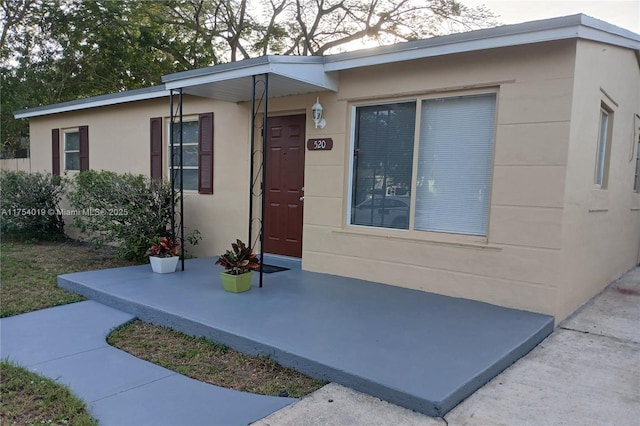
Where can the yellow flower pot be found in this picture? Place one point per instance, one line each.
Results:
(236, 283)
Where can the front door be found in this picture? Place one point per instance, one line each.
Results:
(284, 187)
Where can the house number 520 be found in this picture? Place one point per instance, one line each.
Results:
(325, 144)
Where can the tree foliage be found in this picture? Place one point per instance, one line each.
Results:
(58, 50)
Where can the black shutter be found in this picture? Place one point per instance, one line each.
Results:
(84, 148)
(205, 153)
(156, 148)
(55, 151)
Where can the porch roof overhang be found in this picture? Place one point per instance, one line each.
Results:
(233, 82)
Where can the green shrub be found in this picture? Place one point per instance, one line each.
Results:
(125, 210)
(29, 205)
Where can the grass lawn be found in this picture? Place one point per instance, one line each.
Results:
(29, 272)
(209, 362)
(29, 399)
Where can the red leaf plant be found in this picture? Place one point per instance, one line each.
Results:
(164, 247)
(239, 260)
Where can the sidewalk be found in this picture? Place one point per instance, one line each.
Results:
(68, 344)
(586, 373)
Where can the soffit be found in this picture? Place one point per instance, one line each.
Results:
(234, 82)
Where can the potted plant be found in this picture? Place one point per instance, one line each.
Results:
(238, 264)
(163, 255)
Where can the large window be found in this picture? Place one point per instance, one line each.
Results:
(450, 182)
(72, 150)
(190, 131)
(602, 152)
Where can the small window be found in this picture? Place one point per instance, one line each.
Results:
(636, 138)
(190, 131)
(603, 148)
(72, 150)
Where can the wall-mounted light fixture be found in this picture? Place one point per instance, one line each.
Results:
(316, 111)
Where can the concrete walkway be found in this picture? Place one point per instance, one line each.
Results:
(586, 373)
(423, 351)
(67, 344)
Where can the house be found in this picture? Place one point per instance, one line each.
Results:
(500, 165)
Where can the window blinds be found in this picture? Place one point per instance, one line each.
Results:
(454, 164)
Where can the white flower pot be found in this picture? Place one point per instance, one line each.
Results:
(164, 265)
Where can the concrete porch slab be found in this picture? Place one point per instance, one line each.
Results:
(422, 351)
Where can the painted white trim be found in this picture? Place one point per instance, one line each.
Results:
(189, 118)
(448, 48)
(312, 73)
(217, 77)
(66, 132)
(98, 101)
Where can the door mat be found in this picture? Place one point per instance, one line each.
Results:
(270, 269)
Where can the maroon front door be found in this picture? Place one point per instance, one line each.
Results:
(285, 185)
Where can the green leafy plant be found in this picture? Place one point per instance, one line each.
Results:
(194, 237)
(239, 260)
(164, 247)
(30, 206)
(124, 210)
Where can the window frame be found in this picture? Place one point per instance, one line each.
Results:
(188, 119)
(636, 145)
(66, 132)
(411, 232)
(603, 147)
(353, 119)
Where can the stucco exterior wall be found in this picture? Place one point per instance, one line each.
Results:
(553, 240)
(119, 140)
(517, 265)
(601, 227)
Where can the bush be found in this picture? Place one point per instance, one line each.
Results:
(121, 209)
(30, 205)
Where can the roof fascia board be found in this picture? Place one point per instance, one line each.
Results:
(308, 70)
(595, 34)
(455, 47)
(215, 69)
(310, 73)
(575, 26)
(99, 101)
(213, 77)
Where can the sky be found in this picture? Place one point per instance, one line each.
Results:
(623, 13)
